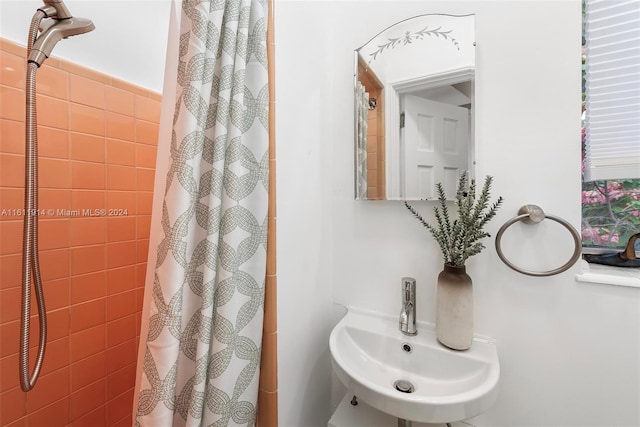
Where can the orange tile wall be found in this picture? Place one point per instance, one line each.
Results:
(268, 387)
(97, 149)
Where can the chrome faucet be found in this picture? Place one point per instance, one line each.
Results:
(408, 313)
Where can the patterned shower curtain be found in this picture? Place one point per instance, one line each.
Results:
(205, 311)
(362, 125)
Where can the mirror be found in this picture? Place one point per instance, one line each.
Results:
(414, 108)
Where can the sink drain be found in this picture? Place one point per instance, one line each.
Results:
(404, 386)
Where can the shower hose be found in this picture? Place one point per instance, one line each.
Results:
(30, 261)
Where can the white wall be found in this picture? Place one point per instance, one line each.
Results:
(129, 42)
(569, 351)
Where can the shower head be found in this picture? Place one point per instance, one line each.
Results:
(56, 27)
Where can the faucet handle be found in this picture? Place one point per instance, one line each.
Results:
(408, 288)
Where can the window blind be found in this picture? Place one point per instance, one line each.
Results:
(612, 118)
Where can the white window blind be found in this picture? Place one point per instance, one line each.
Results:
(613, 89)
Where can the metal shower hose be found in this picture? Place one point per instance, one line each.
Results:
(30, 261)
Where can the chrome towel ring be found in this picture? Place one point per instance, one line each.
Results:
(532, 214)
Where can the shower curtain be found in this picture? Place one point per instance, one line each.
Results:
(362, 125)
(200, 345)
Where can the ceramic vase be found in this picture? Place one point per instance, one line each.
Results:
(454, 308)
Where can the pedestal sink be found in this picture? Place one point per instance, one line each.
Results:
(412, 378)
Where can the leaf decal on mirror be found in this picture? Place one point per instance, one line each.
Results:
(409, 37)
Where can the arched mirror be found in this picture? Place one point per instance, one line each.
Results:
(414, 108)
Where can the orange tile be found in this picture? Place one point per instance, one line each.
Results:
(53, 142)
(86, 91)
(120, 305)
(268, 404)
(10, 271)
(146, 132)
(142, 250)
(56, 199)
(121, 177)
(86, 343)
(121, 279)
(122, 200)
(56, 294)
(270, 305)
(144, 203)
(121, 330)
(87, 371)
(269, 363)
(11, 171)
(87, 287)
(119, 408)
(121, 381)
(120, 126)
(53, 82)
(88, 399)
(87, 176)
(121, 254)
(12, 47)
(143, 226)
(12, 103)
(54, 415)
(119, 101)
(54, 173)
(54, 264)
(139, 299)
(88, 231)
(141, 273)
(13, 69)
(13, 199)
(271, 247)
(124, 422)
(86, 119)
(80, 70)
(121, 228)
(53, 233)
(147, 109)
(58, 326)
(120, 152)
(57, 355)
(88, 200)
(52, 112)
(12, 406)
(10, 237)
(95, 418)
(87, 315)
(119, 356)
(87, 147)
(11, 137)
(128, 87)
(9, 377)
(87, 259)
(145, 179)
(146, 156)
(10, 305)
(51, 387)
(10, 333)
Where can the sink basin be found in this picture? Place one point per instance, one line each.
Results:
(412, 378)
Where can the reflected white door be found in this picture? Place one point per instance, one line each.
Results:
(435, 145)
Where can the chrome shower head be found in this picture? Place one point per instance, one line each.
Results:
(57, 26)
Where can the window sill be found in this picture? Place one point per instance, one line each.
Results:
(594, 273)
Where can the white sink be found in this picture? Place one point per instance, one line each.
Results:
(369, 356)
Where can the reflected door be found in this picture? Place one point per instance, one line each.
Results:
(435, 142)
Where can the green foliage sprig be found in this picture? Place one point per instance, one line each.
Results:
(459, 239)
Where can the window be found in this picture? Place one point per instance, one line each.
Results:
(611, 122)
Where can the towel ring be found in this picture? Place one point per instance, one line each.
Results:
(532, 214)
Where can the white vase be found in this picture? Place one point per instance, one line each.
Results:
(454, 308)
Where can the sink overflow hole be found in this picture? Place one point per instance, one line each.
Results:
(406, 347)
(404, 386)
